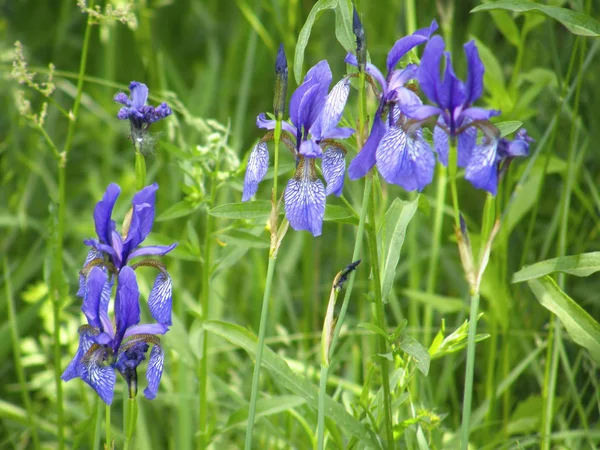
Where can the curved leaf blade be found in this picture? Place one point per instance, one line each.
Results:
(581, 265)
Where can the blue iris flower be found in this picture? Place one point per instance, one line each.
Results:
(113, 250)
(104, 347)
(135, 109)
(310, 134)
(396, 144)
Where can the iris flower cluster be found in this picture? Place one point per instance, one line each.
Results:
(122, 344)
(310, 134)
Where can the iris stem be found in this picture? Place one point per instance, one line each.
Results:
(264, 314)
(131, 420)
(57, 281)
(98, 427)
(140, 167)
(382, 344)
(468, 393)
(16, 340)
(107, 425)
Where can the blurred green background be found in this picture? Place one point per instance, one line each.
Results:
(213, 61)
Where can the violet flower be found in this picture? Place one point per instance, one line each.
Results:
(314, 115)
(104, 348)
(396, 144)
(453, 110)
(492, 158)
(135, 109)
(113, 250)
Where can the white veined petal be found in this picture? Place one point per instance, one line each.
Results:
(258, 163)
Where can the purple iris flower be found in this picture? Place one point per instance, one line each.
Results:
(104, 348)
(396, 144)
(456, 117)
(314, 116)
(113, 250)
(137, 111)
(491, 159)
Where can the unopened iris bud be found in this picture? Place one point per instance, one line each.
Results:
(281, 82)
(361, 48)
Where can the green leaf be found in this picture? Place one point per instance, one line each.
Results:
(180, 209)
(343, 25)
(241, 238)
(337, 213)
(508, 127)
(582, 328)
(576, 22)
(266, 407)
(304, 35)
(299, 385)
(393, 233)
(581, 265)
(507, 27)
(418, 352)
(375, 329)
(259, 209)
(441, 303)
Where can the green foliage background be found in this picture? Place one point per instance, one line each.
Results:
(213, 62)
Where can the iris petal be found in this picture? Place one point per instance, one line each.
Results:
(160, 299)
(390, 153)
(152, 250)
(87, 336)
(98, 374)
(139, 94)
(465, 143)
(334, 166)
(258, 163)
(429, 69)
(103, 212)
(474, 85)
(91, 304)
(305, 199)
(482, 170)
(154, 371)
(127, 307)
(365, 159)
(441, 144)
(332, 110)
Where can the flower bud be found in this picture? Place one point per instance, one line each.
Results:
(281, 82)
(361, 49)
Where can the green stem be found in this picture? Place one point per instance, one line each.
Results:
(140, 168)
(468, 393)
(321, 406)
(380, 322)
(16, 341)
(131, 420)
(108, 443)
(259, 351)
(98, 427)
(57, 281)
(276, 138)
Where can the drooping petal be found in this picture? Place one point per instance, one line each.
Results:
(139, 94)
(146, 328)
(333, 109)
(91, 304)
(268, 124)
(429, 69)
(103, 212)
(310, 149)
(97, 373)
(127, 307)
(466, 143)
(441, 143)
(334, 166)
(122, 98)
(305, 199)
(419, 164)
(154, 371)
(407, 43)
(475, 113)
(451, 94)
(87, 336)
(160, 299)
(339, 133)
(475, 70)
(152, 250)
(482, 170)
(365, 159)
(258, 163)
(389, 153)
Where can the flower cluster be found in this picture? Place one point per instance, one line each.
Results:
(104, 347)
(311, 134)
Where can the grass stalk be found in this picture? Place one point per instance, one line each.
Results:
(109, 438)
(131, 420)
(468, 393)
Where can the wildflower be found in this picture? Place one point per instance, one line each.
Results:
(492, 158)
(396, 144)
(314, 116)
(135, 109)
(456, 118)
(113, 251)
(104, 348)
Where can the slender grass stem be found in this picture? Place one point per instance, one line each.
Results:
(468, 394)
(109, 438)
(98, 426)
(16, 341)
(131, 420)
(382, 344)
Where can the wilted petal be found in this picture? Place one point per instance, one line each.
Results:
(475, 70)
(139, 94)
(152, 250)
(441, 144)
(87, 336)
(482, 170)
(154, 371)
(334, 166)
(365, 159)
(103, 212)
(95, 372)
(258, 163)
(333, 109)
(305, 199)
(429, 69)
(122, 98)
(127, 307)
(91, 304)
(160, 299)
